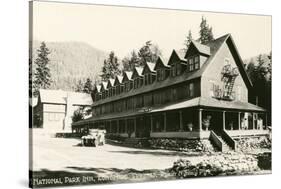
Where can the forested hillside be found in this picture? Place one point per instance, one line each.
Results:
(71, 61)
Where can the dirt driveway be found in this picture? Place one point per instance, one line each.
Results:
(65, 154)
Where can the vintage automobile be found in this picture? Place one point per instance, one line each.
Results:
(94, 138)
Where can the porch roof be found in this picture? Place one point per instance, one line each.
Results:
(195, 102)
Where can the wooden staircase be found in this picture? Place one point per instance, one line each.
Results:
(222, 141)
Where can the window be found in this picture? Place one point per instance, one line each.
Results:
(147, 79)
(160, 74)
(118, 90)
(178, 66)
(191, 89)
(196, 62)
(173, 70)
(191, 65)
(113, 93)
(135, 83)
(127, 86)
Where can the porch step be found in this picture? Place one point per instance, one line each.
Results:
(225, 147)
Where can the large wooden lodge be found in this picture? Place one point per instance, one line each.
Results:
(200, 94)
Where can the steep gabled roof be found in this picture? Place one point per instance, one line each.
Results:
(161, 63)
(104, 85)
(127, 75)
(60, 97)
(202, 49)
(137, 72)
(98, 87)
(110, 83)
(214, 46)
(178, 56)
(118, 80)
(149, 66)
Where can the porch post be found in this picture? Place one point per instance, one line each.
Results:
(223, 119)
(265, 121)
(126, 126)
(200, 120)
(151, 123)
(239, 121)
(117, 126)
(165, 122)
(181, 125)
(135, 125)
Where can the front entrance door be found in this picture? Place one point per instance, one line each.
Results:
(216, 120)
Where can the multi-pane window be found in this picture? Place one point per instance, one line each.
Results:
(160, 74)
(196, 62)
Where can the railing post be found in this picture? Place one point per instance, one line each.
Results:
(239, 121)
(151, 124)
(117, 125)
(200, 120)
(181, 124)
(126, 126)
(165, 122)
(223, 119)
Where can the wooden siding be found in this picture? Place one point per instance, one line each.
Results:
(212, 75)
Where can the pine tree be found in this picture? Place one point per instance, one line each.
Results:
(88, 86)
(206, 32)
(79, 86)
(148, 53)
(188, 40)
(129, 63)
(110, 67)
(42, 74)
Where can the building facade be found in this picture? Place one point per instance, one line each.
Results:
(55, 108)
(200, 94)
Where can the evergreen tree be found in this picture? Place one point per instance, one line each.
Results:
(129, 63)
(206, 32)
(110, 67)
(88, 86)
(188, 40)
(148, 53)
(79, 86)
(42, 74)
(30, 83)
(77, 115)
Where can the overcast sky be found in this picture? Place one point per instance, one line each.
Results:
(123, 29)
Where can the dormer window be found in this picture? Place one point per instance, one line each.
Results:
(160, 74)
(191, 64)
(146, 79)
(135, 83)
(110, 92)
(117, 89)
(127, 86)
(113, 91)
(178, 67)
(173, 70)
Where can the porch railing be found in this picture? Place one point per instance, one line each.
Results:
(216, 141)
(228, 139)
